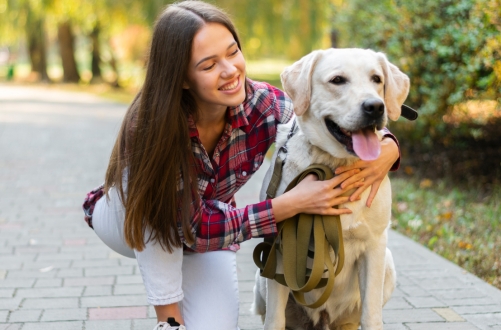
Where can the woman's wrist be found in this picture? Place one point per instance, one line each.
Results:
(284, 207)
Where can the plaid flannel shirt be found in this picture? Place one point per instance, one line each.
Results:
(249, 132)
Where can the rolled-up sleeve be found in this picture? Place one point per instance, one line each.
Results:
(220, 225)
(387, 133)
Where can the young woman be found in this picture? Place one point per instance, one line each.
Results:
(194, 134)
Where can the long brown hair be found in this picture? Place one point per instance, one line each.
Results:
(153, 148)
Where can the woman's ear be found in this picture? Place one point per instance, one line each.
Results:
(186, 85)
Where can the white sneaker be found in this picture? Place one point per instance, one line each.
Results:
(170, 325)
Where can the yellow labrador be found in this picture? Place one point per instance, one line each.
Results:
(342, 99)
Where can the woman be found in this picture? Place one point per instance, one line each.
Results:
(192, 137)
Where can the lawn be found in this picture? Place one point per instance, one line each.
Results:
(462, 225)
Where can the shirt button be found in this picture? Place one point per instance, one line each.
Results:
(244, 173)
(212, 180)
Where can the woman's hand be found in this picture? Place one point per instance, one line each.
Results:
(315, 197)
(371, 172)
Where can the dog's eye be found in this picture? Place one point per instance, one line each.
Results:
(338, 80)
(376, 79)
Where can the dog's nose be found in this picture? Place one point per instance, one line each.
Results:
(374, 108)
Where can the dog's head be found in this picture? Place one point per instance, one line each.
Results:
(343, 96)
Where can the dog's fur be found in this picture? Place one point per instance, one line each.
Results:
(368, 277)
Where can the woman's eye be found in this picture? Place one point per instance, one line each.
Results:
(338, 80)
(235, 52)
(209, 67)
(376, 79)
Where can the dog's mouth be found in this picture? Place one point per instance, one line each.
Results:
(363, 143)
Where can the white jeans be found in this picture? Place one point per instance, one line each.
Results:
(205, 283)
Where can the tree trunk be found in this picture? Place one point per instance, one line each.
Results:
(67, 49)
(96, 54)
(35, 33)
(114, 66)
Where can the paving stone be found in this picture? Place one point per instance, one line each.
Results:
(118, 313)
(50, 292)
(95, 263)
(420, 302)
(25, 315)
(129, 279)
(3, 316)
(6, 293)
(145, 323)
(70, 272)
(440, 326)
(416, 315)
(49, 303)
(71, 325)
(114, 301)
(10, 326)
(102, 290)
(10, 303)
(83, 281)
(397, 303)
(16, 283)
(103, 271)
(110, 325)
(448, 314)
(481, 309)
(414, 291)
(69, 314)
(484, 321)
(50, 282)
(129, 289)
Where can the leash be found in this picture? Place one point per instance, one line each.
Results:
(292, 242)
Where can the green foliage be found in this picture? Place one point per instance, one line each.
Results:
(450, 49)
(461, 225)
(280, 28)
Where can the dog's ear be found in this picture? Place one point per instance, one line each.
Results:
(396, 85)
(296, 80)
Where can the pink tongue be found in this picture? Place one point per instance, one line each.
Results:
(366, 144)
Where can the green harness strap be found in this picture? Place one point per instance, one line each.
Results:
(293, 240)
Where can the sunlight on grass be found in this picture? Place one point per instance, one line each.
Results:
(461, 225)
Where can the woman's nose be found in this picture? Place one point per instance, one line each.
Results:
(229, 70)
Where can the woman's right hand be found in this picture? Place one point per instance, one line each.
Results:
(315, 197)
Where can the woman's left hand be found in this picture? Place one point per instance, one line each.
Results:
(373, 172)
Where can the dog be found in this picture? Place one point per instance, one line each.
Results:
(342, 99)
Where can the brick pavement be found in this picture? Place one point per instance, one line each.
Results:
(56, 274)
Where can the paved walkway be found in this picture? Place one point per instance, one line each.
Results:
(56, 274)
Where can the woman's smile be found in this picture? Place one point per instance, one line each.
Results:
(232, 86)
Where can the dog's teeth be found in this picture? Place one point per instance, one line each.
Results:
(345, 132)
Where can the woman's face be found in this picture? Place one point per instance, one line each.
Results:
(216, 73)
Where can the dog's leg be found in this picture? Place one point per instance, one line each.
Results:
(390, 277)
(276, 301)
(371, 279)
(258, 306)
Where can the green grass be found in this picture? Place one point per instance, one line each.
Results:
(463, 226)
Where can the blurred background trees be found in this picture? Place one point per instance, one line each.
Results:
(450, 49)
